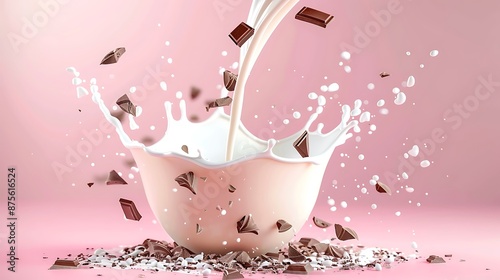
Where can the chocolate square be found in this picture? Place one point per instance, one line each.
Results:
(129, 209)
(313, 16)
(241, 34)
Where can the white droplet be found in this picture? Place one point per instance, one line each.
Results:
(414, 245)
(152, 127)
(174, 190)
(414, 151)
(163, 86)
(363, 190)
(223, 212)
(365, 117)
(81, 92)
(94, 89)
(425, 163)
(296, 115)
(319, 110)
(378, 267)
(238, 240)
(421, 66)
(375, 177)
(361, 157)
(132, 89)
(169, 60)
(381, 103)
(404, 175)
(343, 204)
(224, 53)
(373, 182)
(347, 69)
(331, 202)
(131, 176)
(132, 123)
(72, 70)
(333, 87)
(400, 98)
(178, 94)
(286, 121)
(333, 208)
(374, 206)
(408, 53)
(206, 272)
(324, 88)
(312, 95)
(93, 81)
(384, 111)
(321, 100)
(434, 53)
(347, 219)
(406, 155)
(138, 111)
(396, 90)
(234, 65)
(76, 81)
(224, 242)
(410, 189)
(410, 82)
(356, 129)
(398, 213)
(345, 55)
(370, 86)
(373, 127)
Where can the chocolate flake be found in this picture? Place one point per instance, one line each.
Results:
(199, 229)
(247, 225)
(126, 105)
(115, 179)
(113, 56)
(345, 233)
(219, 102)
(313, 16)
(320, 223)
(382, 188)
(435, 259)
(283, 226)
(241, 34)
(231, 273)
(90, 184)
(384, 74)
(188, 181)
(129, 209)
(230, 80)
(195, 92)
(308, 241)
(185, 149)
(299, 268)
(231, 188)
(302, 144)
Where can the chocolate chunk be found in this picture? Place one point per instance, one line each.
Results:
(308, 241)
(79, 110)
(230, 274)
(320, 248)
(180, 251)
(382, 188)
(448, 255)
(130, 162)
(230, 203)
(219, 102)
(188, 181)
(156, 248)
(344, 233)
(295, 254)
(283, 226)
(185, 149)
(241, 34)
(243, 258)
(129, 209)
(199, 229)
(313, 16)
(230, 80)
(113, 56)
(195, 92)
(299, 268)
(71, 263)
(302, 144)
(118, 114)
(384, 74)
(320, 223)
(247, 225)
(115, 179)
(90, 184)
(229, 257)
(231, 188)
(435, 259)
(126, 105)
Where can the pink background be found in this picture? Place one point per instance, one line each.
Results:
(458, 192)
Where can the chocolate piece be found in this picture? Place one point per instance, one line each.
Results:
(199, 229)
(180, 251)
(195, 92)
(448, 255)
(283, 226)
(299, 268)
(320, 223)
(203, 178)
(126, 105)
(90, 184)
(147, 140)
(115, 179)
(435, 259)
(119, 114)
(295, 254)
(185, 149)
(243, 258)
(382, 188)
(344, 233)
(384, 74)
(334, 251)
(313, 16)
(157, 249)
(230, 80)
(129, 209)
(229, 257)
(219, 102)
(231, 188)
(302, 144)
(113, 56)
(241, 34)
(320, 248)
(79, 110)
(67, 263)
(188, 181)
(247, 225)
(308, 241)
(230, 203)
(231, 273)
(130, 162)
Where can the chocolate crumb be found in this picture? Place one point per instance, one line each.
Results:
(90, 184)
(384, 74)
(247, 225)
(435, 259)
(113, 56)
(115, 179)
(231, 188)
(188, 181)
(195, 92)
(344, 233)
(320, 223)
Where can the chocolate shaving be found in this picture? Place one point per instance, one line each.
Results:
(195, 92)
(382, 188)
(231, 189)
(231, 273)
(320, 223)
(230, 80)
(344, 233)
(185, 149)
(126, 105)
(113, 56)
(199, 229)
(129, 209)
(313, 16)
(188, 181)
(435, 259)
(219, 102)
(283, 226)
(247, 225)
(115, 179)
(230, 203)
(308, 241)
(302, 144)
(90, 184)
(241, 34)
(299, 268)
(384, 74)
(448, 255)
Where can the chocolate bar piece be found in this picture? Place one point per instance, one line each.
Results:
(320, 248)
(299, 268)
(69, 263)
(334, 251)
(283, 226)
(230, 80)
(126, 105)
(219, 102)
(115, 179)
(90, 184)
(295, 254)
(188, 181)
(320, 223)
(313, 16)
(302, 144)
(113, 56)
(195, 92)
(247, 225)
(231, 273)
(231, 189)
(129, 209)
(344, 233)
(308, 241)
(435, 259)
(241, 34)
(384, 74)
(382, 188)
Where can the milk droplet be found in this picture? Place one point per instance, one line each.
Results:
(132, 89)
(373, 128)
(223, 212)
(286, 121)
(373, 182)
(131, 176)
(347, 219)
(94, 89)
(76, 81)
(333, 208)
(398, 213)
(374, 206)
(224, 53)
(238, 240)
(345, 55)
(365, 117)
(404, 175)
(361, 157)
(410, 189)
(333, 87)
(375, 177)
(400, 98)
(178, 94)
(324, 88)
(163, 86)
(343, 204)
(356, 129)
(72, 70)
(319, 110)
(396, 90)
(384, 111)
(169, 60)
(152, 127)
(410, 82)
(414, 151)
(296, 115)
(138, 111)
(414, 245)
(81, 92)
(309, 108)
(378, 267)
(93, 81)
(206, 272)
(133, 124)
(312, 95)
(370, 86)
(381, 103)
(408, 53)
(321, 100)
(331, 202)
(406, 155)
(224, 242)
(425, 163)
(434, 53)
(347, 69)
(422, 66)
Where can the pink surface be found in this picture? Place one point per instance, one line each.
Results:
(458, 192)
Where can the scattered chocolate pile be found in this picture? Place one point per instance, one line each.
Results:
(300, 257)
